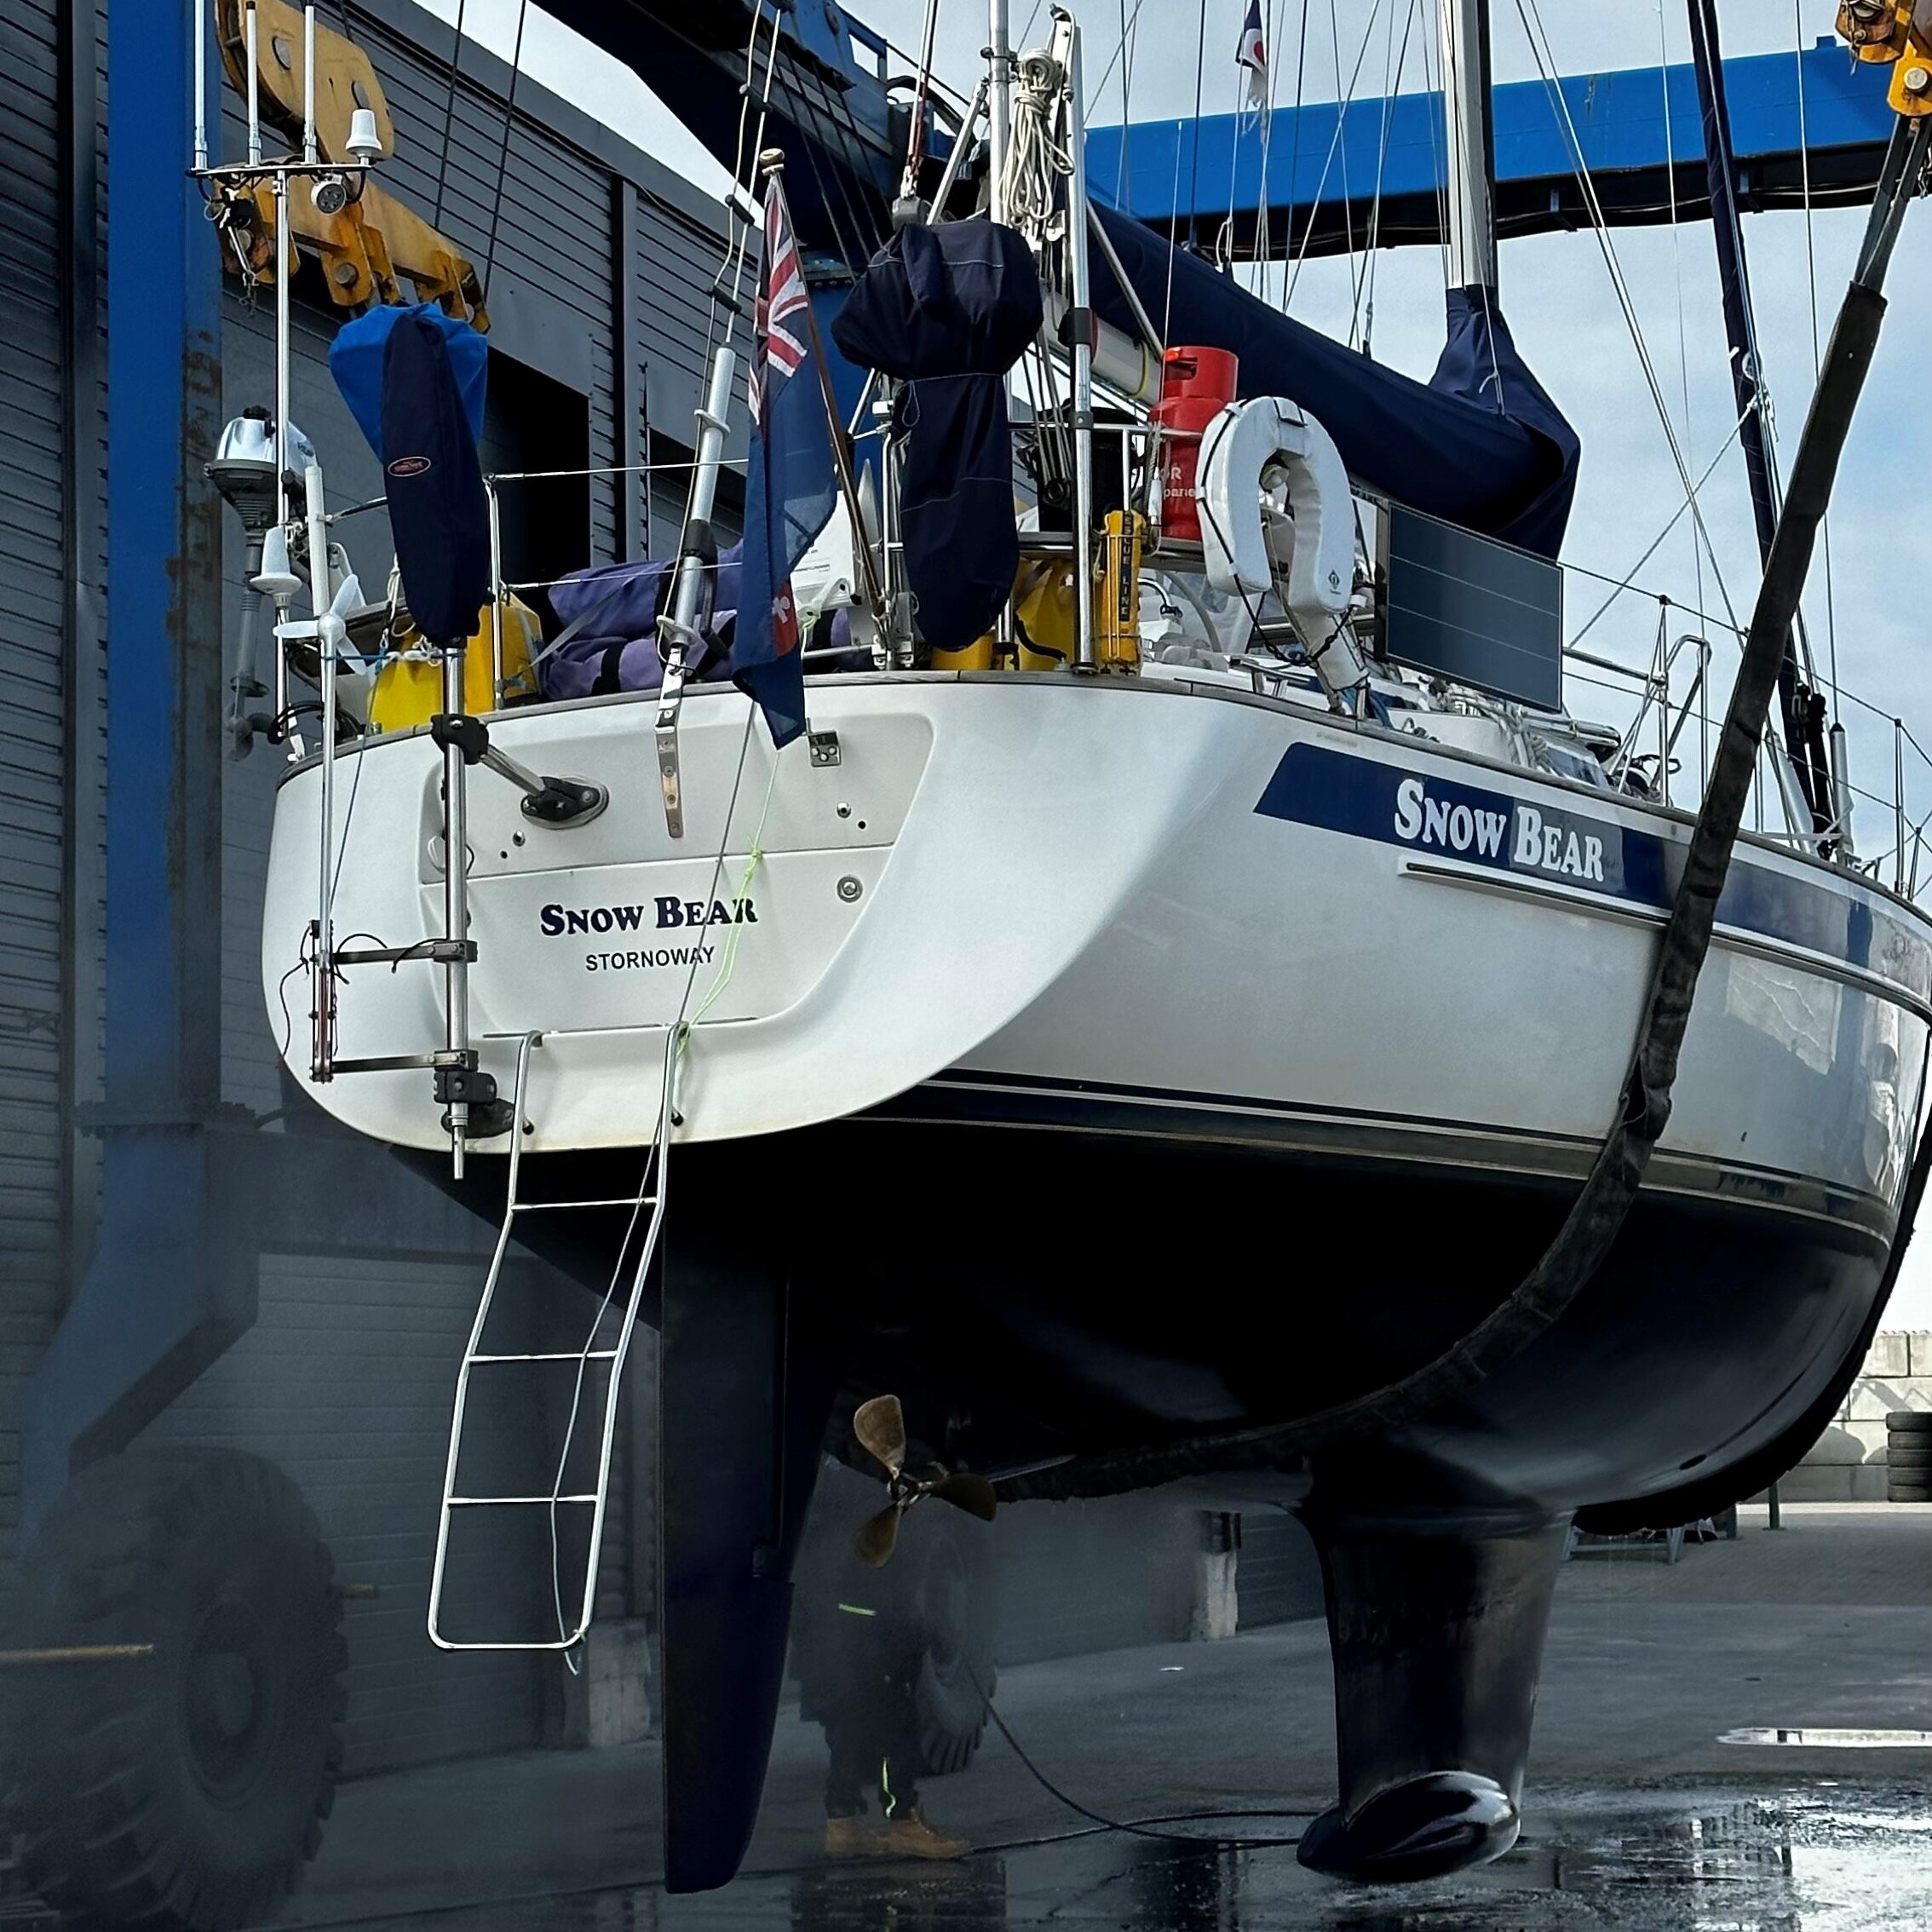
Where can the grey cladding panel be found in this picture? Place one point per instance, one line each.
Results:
(1278, 1574)
(532, 211)
(34, 669)
(678, 263)
(1473, 610)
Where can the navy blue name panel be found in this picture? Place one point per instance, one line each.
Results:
(1589, 852)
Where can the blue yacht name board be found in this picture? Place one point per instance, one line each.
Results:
(1589, 852)
(1444, 818)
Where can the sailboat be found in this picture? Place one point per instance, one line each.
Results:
(1186, 1006)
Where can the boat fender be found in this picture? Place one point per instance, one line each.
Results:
(1242, 443)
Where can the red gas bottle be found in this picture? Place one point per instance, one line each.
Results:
(1196, 384)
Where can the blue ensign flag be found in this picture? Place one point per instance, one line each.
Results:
(790, 485)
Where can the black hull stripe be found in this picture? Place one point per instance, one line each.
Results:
(964, 1095)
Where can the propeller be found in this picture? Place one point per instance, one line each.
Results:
(880, 1427)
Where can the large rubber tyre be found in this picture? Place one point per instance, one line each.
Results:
(183, 1792)
(1909, 1421)
(1904, 1451)
(1909, 1486)
(956, 1610)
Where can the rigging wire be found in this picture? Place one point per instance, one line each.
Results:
(915, 137)
(1174, 244)
(1677, 266)
(1224, 236)
(1294, 160)
(1263, 238)
(1341, 141)
(1628, 581)
(502, 147)
(1106, 72)
(1817, 354)
(851, 249)
(1545, 61)
(1194, 134)
(1341, 116)
(1391, 85)
(864, 216)
(738, 232)
(866, 234)
(449, 113)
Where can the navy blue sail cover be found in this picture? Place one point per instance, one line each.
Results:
(959, 299)
(962, 540)
(434, 482)
(948, 309)
(1481, 443)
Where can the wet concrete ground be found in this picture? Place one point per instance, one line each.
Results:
(1636, 1816)
(1810, 1858)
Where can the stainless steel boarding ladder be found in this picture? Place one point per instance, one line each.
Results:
(608, 1350)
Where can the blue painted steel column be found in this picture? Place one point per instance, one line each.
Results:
(151, 1311)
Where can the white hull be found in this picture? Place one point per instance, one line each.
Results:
(1203, 902)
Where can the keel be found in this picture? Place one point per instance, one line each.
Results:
(1436, 1622)
(744, 1394)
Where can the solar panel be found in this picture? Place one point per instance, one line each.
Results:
(1471, 610)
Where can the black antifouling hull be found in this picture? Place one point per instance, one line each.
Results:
(1108, 1311)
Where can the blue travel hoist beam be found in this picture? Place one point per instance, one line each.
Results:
(1640, 130)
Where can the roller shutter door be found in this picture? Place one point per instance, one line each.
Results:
(345, 1381)
(1278, 1575)
(33, 856)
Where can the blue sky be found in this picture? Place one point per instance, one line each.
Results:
(1559, 298)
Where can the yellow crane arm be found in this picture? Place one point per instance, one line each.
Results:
(1898, 31)
(376, 241)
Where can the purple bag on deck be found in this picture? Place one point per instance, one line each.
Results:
(609, 641)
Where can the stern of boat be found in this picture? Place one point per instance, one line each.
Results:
(838, 921)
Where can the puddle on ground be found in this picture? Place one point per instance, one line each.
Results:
(1814, 1739)
(1814, 1856)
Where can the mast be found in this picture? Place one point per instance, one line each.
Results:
(1802, 710)
(1066, 43)
(1471, 143)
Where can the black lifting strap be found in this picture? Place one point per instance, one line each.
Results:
(1598, 1213)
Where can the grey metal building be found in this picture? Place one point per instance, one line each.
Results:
(598, 264)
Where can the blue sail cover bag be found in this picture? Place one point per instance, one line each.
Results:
(948, 310)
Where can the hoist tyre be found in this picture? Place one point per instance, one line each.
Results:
(956, 1610)
(185, 1791)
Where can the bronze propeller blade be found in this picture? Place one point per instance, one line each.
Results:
(972, 1493)
(878, 1536)
(880, 1426)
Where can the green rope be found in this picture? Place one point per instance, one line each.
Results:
(728, 963)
